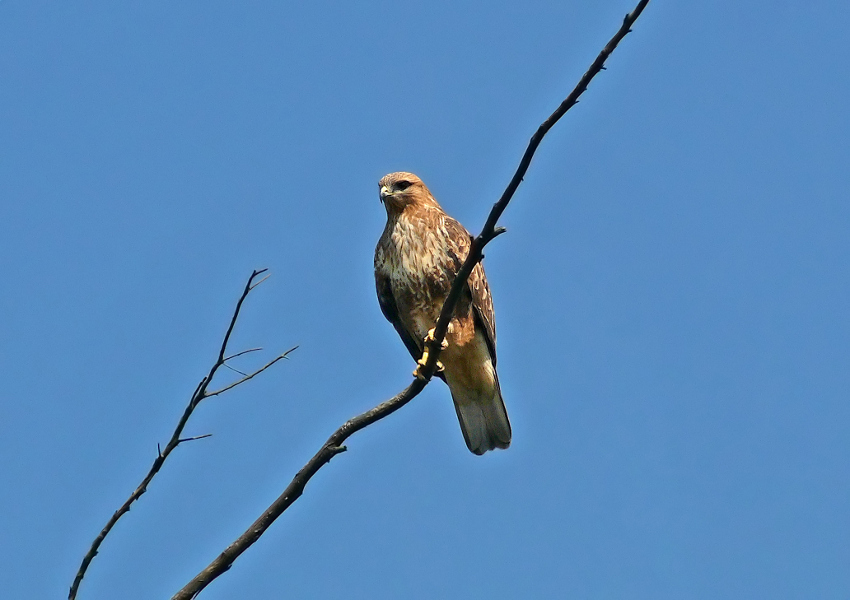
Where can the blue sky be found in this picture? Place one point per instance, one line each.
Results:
(672, 297)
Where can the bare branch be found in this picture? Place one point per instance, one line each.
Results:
(251, 375)
(199, 394)
(334, 445)
(490, 230)
(294, 490)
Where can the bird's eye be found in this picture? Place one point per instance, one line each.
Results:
(402, 185)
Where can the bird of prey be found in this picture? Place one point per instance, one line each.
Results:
(416, 260)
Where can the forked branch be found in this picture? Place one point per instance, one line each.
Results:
(334, 445)
(200, 394)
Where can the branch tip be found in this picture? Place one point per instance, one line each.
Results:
(241, 353)
(251, 287)
(192, 439)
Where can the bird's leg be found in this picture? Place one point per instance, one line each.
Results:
(420, 364)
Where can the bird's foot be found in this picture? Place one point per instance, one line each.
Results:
(430, 337)
(420, 364)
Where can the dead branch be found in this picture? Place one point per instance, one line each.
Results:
(334, 445)
(162, 454)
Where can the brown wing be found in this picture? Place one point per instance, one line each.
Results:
(482, 302)
(476, 285)
(388, 306)
(390, 310)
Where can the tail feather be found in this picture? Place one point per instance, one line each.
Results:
(483, 420)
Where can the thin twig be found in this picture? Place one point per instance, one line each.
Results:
(260, 281)
(235, 370)
(251, 375)
(334, 445)
(241, 353)
(192, 439)
(162, 453)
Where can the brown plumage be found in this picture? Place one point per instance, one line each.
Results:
(417, 257)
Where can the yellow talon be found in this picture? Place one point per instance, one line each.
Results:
(420, 364)
(430, 338)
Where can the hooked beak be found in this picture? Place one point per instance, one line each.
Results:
(385, 191)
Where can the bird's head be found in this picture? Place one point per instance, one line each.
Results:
(401, 189)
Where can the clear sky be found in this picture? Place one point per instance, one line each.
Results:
(672, 297)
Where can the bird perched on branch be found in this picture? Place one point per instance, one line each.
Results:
(416, 260)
